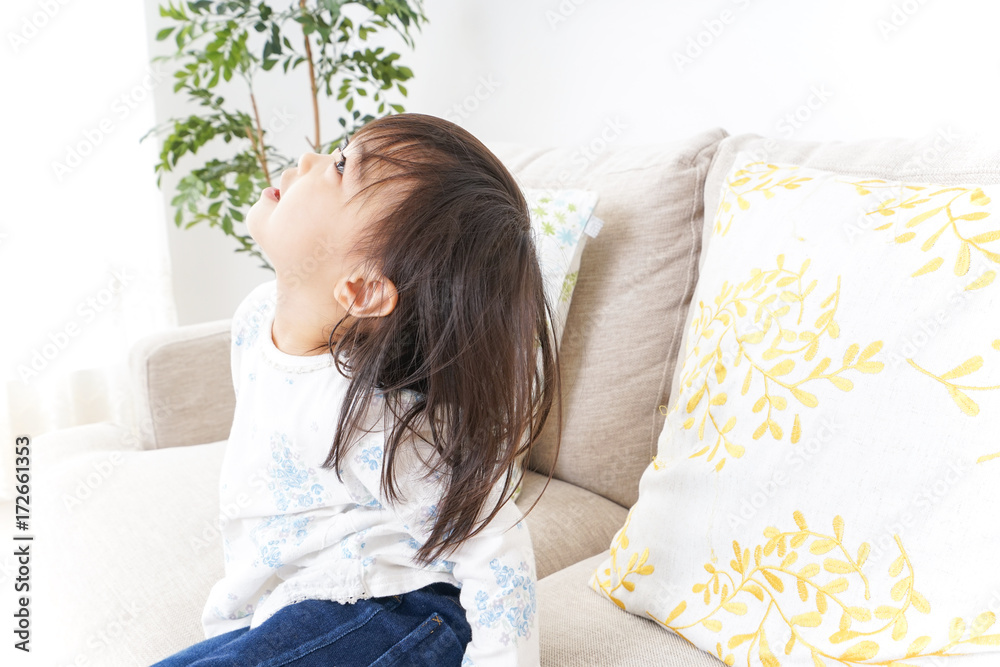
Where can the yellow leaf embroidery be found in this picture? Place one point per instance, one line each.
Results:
(952, 197)
(932, 265)
(955, 391)
(865, 650)
(807, 627)
(982, 281)
(704, 373)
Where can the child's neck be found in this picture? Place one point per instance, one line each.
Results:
(303, 320)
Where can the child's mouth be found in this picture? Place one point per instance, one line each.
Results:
(273, 193)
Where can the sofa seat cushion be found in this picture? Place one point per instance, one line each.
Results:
(132, 550)
(138, 545)
(579, 627)
(568, 524)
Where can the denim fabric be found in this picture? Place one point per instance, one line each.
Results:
(423, 627)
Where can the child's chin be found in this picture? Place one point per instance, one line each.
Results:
(251, 221)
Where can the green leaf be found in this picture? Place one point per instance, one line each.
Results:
(221, 190)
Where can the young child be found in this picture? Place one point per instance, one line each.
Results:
(357, 529)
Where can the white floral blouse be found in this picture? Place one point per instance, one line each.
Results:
(292, 531)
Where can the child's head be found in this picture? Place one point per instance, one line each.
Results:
(308, 227)
(431, 255)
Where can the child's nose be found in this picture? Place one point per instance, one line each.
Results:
(306, 160)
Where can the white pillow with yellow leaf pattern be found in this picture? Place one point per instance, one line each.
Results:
(826, 489)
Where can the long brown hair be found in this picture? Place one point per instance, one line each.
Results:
(469, 336)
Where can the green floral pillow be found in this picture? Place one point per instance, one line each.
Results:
(561, 221)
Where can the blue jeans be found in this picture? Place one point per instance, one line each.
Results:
(416, 629)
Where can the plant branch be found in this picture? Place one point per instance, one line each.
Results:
(258, 143)
(312, 82)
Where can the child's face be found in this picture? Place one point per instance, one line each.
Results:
(307, 232)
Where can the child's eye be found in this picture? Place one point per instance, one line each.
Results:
(343, 160)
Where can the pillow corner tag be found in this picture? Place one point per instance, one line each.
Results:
(593, 227)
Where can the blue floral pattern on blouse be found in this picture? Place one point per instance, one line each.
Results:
(247, 334)
(243, 612)
(271, 533)
(292, 483)
(512, 609)
(370, 456)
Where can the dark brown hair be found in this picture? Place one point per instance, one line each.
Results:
(470, 336)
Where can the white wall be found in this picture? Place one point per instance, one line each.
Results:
(566, 72)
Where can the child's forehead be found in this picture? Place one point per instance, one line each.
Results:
(378, 183)
(376, 161)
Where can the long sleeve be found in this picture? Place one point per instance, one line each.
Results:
(495, 569)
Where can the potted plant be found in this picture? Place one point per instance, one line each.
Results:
(212, 37)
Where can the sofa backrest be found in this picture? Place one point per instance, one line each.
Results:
(183, 385)
(632, 293)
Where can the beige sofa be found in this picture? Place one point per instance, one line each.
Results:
(130, 516)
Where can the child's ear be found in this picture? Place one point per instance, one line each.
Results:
(364, 295)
